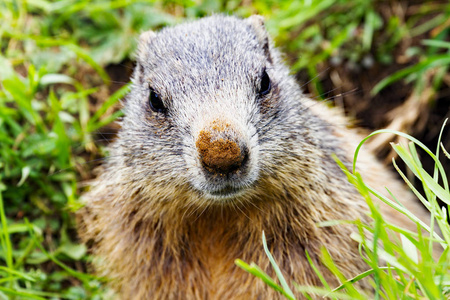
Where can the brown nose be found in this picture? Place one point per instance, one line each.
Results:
(220, 154)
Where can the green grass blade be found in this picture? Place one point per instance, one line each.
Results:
(17, 273)
(5, 237)
(256, 271)
(422, 175)
(277, 269)
(359, 277)
(428, 63)
(15, 292)
(417, 142)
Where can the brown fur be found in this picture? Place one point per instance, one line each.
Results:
(173, 250)
(157, 237)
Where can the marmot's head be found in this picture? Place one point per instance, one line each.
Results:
(208, 113)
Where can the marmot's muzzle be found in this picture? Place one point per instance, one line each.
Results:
(219, 149)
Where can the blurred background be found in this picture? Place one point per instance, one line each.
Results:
(64, 66)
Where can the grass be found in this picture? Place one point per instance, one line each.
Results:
(57, 95)
(399, 268)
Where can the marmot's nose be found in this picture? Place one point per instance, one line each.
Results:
(220, 153)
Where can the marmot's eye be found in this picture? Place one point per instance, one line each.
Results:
(265, 85)
(155, 101)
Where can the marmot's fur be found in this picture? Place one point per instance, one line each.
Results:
(217, 145)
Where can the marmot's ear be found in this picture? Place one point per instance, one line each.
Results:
(144, 42)
(142, 53)
(257, 23)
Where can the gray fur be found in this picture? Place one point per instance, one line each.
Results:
(210, 78)
(154, 215)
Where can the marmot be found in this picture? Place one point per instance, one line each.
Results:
(218, 143)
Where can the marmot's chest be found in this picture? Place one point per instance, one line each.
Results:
(210, 262)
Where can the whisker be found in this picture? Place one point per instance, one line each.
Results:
(206, 206)
(251, 202)
(188, 207)
(354, 91)
(237, 206)
(312, 79)
(120, 82)
(326, 93)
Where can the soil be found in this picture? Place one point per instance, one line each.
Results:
(380, 111)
